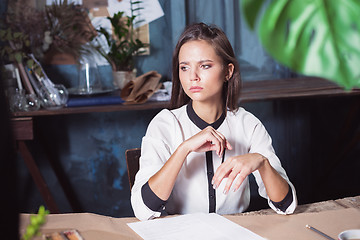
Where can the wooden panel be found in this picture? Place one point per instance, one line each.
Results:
(290, 88)
(132, 162)
(89, 109)
(22, 128)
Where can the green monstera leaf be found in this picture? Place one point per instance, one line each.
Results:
(312, 37)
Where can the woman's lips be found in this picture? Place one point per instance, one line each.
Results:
(195, 89)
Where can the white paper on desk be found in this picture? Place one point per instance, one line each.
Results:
(192, 226)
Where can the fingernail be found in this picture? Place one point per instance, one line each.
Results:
(225, 191)
(214, 186)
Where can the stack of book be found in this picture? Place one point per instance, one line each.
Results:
(81, 101)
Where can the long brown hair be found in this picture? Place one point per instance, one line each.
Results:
(217, 38)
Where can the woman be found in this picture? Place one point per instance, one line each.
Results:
(197, 156)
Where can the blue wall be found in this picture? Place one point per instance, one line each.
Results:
(91, 150)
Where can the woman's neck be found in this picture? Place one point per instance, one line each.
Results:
(208, 112)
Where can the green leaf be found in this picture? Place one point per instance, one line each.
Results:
(251, 9)
(35, 223)
(8, 36)
(18, 34)
(30, 63)
(315, 37)
(18, 57)
(8, 49)
(137, 9)
(2, 34)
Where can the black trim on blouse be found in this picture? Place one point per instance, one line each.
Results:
(209, 160)
(150, 199)
(286, 202)
(210, 175)
(201, 123)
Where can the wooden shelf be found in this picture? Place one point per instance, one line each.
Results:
(291, 88)
(251, 91)
(89, 109)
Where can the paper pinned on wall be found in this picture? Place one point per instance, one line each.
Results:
(151, 10)
(90, 4)
(192, 227)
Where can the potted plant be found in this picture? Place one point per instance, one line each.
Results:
(123, 46)
(69, 29)
(62, 27)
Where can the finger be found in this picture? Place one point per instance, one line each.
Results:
(228, 145)
(229, 182)
(215, 145)
(243, 173)
(222, 172)
(239, 181)
(225, 144)
(217, 142)
(222, 141)
(205, 141)
(209, 146)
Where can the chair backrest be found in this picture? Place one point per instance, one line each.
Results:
(132, 162)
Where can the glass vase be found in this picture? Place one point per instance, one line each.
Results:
(53, 97)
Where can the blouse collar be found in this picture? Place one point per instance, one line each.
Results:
(201, 123)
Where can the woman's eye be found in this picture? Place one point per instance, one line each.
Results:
(184, 68)
(205, 66)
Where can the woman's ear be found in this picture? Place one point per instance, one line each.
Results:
(229, 72)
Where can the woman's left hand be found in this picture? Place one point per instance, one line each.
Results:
(241, 166)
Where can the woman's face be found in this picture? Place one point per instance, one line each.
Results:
(201, 72)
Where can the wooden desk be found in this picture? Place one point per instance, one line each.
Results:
(330, 216)
(349, 202)
(252, 91)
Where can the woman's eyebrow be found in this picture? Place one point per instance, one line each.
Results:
(201, 61)
(206, 60)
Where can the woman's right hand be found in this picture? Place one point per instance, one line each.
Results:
(162, 182)
(208, 139)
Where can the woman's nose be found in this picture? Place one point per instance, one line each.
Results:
(194, 76)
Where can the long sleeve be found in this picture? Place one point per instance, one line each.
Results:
(261, 143)
(155, 151)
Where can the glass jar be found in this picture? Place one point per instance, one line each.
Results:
(53, 96)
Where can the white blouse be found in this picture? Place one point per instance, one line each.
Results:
(191, 193)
